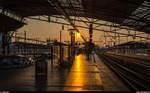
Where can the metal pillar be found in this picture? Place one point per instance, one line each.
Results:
(69, 55)
(52, 60)
(5, 43)
(90, 39)
(72, 45)
(25, 36)
(90, 32)
(61, 55)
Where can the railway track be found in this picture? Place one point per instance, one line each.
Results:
(135, 79)
(136, 60)
(134, 64)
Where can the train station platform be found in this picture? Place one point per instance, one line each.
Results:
(134, 56)
(83, 75)
(110, 81)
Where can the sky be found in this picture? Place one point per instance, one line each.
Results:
(44, 30)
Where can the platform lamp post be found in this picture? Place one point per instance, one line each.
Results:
(61, 53)
(25, 36)
(72, 34)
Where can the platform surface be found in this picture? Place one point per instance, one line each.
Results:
(84, 75)
(109, 79)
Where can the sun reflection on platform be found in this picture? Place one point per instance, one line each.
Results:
(76, 79)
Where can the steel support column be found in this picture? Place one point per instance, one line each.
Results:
(5, 43)
(72, 45)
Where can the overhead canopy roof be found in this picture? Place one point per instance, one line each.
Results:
(131, 13)
(9, 24)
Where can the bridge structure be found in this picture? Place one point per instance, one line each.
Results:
(115, 18)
